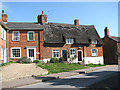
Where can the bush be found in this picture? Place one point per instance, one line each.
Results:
(54, 60)
(61, 59)
(36, 61)
(24, 60)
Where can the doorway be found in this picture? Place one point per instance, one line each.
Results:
(31, 53)
(64, 54)
(79, 55)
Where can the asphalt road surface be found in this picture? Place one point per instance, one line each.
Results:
(103, 78)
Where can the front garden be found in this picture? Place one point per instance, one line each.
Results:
(55, 65)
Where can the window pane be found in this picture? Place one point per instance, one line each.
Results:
(15, 52)
(94, 52)
(31, 52)
(15, 35)
(56, 53)
(31, 35)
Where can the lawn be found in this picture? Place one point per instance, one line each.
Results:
(60, 67)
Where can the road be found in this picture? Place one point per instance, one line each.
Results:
(96, 79)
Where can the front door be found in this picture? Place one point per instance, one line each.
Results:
(64, 54)
(79, 55)
(31, 53)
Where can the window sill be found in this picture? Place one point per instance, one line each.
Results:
(94, 56)
(15, 57)
(30, 40)
(16, 40)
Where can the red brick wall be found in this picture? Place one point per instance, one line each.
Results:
(93, 46)
(23, 42)
(118, 49)
(110, 51)
(48, 50)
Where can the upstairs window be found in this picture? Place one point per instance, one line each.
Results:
(16, 36)
(69, 41)
(94, 52)
(1, 32)
(30, 36)
(94, 41)
(56, 53)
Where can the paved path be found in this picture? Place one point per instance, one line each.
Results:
(79, 80)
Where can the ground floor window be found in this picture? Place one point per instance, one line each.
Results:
(1, 53)
(56, 53)
(72, 52)
(15, 52)
(94, 52)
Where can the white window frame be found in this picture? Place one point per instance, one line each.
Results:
(1, 32)
(1, 53)
(13, 35)
(94, 42)
(72, 54)
(56, 51)
(69, 41)
(4, 34)
(12, 53)
(33, 35)
(93, 54)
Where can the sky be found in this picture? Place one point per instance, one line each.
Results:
(99, 14)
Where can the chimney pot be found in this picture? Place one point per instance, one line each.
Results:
(76, 22)
(2, 11)
(4, 16)
(42, 12)
(106, 31)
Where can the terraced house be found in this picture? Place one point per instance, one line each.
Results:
(43, 40)
(3, 36)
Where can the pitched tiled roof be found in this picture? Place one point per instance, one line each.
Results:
(57, 32)
(24, 26)
(117, 39)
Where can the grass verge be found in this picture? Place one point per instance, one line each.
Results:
(60, 67)
(4, 64)
(95, 65)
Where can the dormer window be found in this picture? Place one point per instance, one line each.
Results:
(94, 42)
(69, 41)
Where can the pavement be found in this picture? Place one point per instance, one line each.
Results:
(34, 79)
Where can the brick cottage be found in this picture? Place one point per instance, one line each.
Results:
(43, 40)
(111, 48)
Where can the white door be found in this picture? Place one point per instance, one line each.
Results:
(31, 53)
(5, 61)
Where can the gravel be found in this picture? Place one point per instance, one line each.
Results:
(17, 71)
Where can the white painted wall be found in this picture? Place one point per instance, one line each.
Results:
(46, 60)
(94, 60)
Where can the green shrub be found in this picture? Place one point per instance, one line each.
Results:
(61, 59)
(24, 60)
(54, 60)
(36, 61)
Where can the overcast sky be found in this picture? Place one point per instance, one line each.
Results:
(99, 14)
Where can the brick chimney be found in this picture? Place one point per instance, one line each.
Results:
(42, 18)
(4, 16)
(76, 22)
(106, 31)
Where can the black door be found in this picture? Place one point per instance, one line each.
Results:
(64, 54)
(79, 55)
